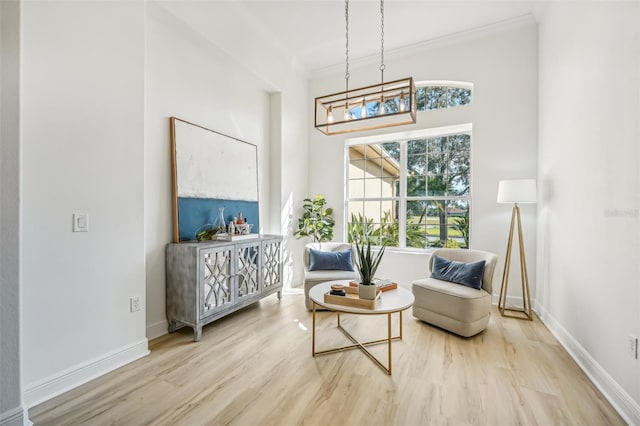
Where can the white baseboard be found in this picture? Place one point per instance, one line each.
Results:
(612, 391)
(15, 417)
(157, 329)
(45, 389)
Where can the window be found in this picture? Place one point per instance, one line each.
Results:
(436, 95)
(413, 192)
(430, 95)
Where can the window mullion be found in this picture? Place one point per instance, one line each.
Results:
(345, 206)
(402, 200)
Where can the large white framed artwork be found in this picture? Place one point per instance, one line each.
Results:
(211, 170)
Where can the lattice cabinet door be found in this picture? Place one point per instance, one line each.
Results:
(271, 264)
(216, 291)
(247, 270)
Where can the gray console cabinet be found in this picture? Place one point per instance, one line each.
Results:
(208, 280)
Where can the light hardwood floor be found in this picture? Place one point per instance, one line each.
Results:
(255, 368)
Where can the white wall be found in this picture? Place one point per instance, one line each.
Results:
(203, 74)
(82, 146)
(588, 235)
(96, 104)
(189, 78)
(294, 176)
(501, 62)
(11, 409)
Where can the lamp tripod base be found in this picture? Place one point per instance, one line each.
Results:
(525, 312)
(517, 313)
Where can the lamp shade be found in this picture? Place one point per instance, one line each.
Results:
(517, 191)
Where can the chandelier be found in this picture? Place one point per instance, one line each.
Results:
(377, 106)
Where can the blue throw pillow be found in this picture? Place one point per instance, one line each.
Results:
(469, 274)
(330, 260)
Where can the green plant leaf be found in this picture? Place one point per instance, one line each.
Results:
(317, 221)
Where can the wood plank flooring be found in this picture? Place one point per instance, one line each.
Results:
(255, 368)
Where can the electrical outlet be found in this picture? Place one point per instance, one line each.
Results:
(135, 304)
(80, 222)
(633, 346)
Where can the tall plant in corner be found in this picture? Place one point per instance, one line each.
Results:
(317, 221)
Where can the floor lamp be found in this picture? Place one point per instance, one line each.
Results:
(518, 191)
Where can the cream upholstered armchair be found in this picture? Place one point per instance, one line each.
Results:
(317, 276)
(455, 307)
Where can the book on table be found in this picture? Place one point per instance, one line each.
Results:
(381, 284)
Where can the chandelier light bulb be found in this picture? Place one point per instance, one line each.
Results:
(330, 114)
(402, 103)
(363, 109)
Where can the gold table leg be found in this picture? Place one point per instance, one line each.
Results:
(360, 345)
(389, 340)
(313, 332)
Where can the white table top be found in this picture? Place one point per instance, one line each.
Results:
(390, 301)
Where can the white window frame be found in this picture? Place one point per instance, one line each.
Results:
(446, 83)
(403, 138)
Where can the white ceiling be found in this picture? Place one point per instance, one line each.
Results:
(314, 30)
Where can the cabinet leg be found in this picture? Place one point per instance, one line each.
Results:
(280, 295)
(173, 326)
(197, 333)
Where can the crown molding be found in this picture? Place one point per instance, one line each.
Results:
(435, 43)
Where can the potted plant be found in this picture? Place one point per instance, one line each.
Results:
(367, 264)
(317, 222)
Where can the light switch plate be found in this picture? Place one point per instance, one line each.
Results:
(80, 222)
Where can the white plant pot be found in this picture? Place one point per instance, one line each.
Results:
(367, 292)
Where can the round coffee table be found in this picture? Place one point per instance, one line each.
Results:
(390, 302)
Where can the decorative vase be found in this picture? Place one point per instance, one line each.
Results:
(220, 221)
(367, 292)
